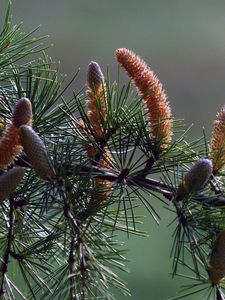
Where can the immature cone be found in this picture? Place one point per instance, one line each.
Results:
(9, 181)
(96, 94)
(22, 113)
(218, 142)
(149, 87)
(36, 152)
(195, 178)
(10, 146)
(95, 77)
(97, 114)
(216, 268)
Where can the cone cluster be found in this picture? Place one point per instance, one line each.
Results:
(16, 136)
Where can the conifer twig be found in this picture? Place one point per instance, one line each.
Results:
(71, 261)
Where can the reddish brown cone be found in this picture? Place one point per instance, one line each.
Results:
(10, 147)
(149, 87)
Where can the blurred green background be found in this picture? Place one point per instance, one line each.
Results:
(184, 42)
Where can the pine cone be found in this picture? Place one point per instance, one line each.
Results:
(36, 152)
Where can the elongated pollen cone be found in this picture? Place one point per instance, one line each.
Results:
(196, 177)
(36, 152)
(9, 181)
(95, 77)
(216, 268)
(22, 114)
(150, 88)
(217, 142)
(10, 147)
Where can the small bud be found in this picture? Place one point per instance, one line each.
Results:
(96, 102)
(196, 177)
(36, 152)
(216, 268)
(95, 77)
(22, 113)
(9, 181)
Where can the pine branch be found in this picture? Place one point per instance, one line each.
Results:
(89, 162)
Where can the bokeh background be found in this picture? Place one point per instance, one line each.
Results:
(184, 42)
